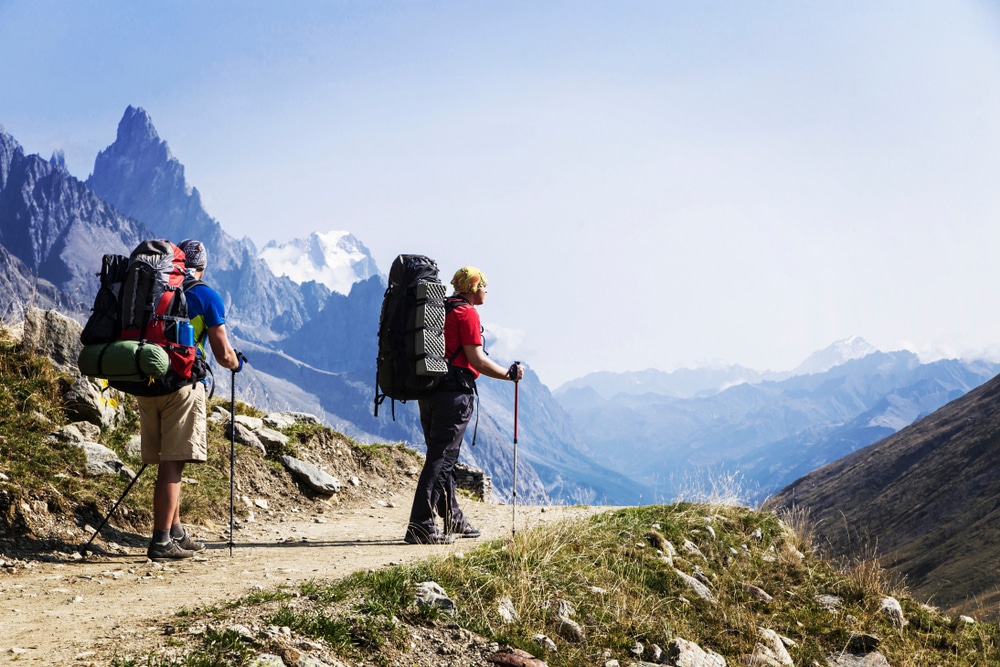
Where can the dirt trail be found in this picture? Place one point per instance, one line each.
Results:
(79, 612)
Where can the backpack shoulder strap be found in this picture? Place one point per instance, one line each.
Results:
(453, 302)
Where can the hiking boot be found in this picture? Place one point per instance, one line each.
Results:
(189, 543)
(467, 531)
(432, 538)
(169, 551)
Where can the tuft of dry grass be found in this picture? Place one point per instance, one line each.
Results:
(715, 487)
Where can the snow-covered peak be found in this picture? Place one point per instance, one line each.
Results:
(853, 347)
(335, 259)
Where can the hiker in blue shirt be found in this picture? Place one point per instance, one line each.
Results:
(174, 426)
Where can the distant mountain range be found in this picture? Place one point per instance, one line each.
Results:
(677, 432)
(305, 313)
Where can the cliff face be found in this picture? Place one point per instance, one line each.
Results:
(55, 228)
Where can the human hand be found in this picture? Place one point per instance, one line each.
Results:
(515, 372)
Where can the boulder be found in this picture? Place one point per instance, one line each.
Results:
(685, 653)
(271, 438)
(569, 629)
(508, 614)
(892, 610)
(850, 660)
(311, 476)
(245, 436)
(756, 592)
(51, 334)
(252, 423)
(699, 588)
(93, 401)
(304, 418)
(279, 420)
(75, 432)
(430, 594)
(102, 461)
(771, 651)
(514, 657)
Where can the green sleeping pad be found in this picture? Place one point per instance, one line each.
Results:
(124, 360)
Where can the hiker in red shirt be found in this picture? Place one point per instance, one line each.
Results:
(446, 414)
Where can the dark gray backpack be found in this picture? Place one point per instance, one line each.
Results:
(411, 361)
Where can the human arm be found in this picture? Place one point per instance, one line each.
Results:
(221, 349)
(477, 359)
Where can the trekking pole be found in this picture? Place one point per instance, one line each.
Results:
(513, 521)
(232, 455)
(232, 441)
(83, 550)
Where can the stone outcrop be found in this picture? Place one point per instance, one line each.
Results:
(55, 336)
(99, 459)
(431, 594)
(94, 401)
(475, 481)
(321, 482)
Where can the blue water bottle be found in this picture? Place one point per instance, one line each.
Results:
(185, 334)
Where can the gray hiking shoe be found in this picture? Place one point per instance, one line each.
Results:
(169, 551)
(189, 543)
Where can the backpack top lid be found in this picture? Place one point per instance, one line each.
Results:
(154, 275)
(412, 269)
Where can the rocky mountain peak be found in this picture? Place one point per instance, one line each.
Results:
(9, 148)
(137, 161)
(58, 160)
(136, 133)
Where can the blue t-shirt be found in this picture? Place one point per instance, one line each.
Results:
(205, 310)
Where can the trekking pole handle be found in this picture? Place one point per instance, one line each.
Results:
(240, 357)
(513, 370)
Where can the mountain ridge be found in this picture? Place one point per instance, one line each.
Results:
(771, 431)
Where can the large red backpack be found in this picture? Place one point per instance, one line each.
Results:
(147, 296)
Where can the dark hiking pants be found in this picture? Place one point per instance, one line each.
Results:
(444, 417)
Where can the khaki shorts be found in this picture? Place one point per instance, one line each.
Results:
(173, 427)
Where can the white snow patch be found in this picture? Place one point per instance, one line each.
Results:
(335, 259)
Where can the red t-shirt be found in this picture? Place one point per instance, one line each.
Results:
(461, 327)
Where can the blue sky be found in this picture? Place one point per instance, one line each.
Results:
(646, 184)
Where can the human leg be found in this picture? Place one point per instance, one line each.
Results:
(421, 524)
(166, 501)
(444, 417)
(167, 495)
(174, 433)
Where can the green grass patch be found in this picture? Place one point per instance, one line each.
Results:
(622, 589)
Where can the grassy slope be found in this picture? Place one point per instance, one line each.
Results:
(622, 590)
